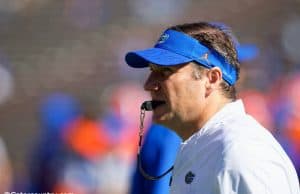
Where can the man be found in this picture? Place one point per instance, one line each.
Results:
(194, 69)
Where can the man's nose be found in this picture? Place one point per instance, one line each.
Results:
(151, 84)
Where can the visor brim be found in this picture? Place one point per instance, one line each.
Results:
(158, 56)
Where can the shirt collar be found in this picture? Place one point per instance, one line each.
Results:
(228, 111)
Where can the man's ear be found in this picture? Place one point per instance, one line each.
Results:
(214, 76)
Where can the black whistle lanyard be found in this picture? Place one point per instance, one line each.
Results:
(139, 159)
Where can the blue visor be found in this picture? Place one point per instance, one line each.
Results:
(174, 48)
(247, 52)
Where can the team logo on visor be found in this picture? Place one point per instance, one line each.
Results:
(162, 38)
(204, 57)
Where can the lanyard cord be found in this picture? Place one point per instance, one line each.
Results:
(139, 159)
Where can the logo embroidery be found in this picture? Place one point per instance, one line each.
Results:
(163, 38)
(205, 56)
(189, 177)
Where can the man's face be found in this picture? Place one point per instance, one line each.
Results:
(182, 93)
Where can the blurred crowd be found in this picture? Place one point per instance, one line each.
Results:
(79, 153)
(75, 152)
(70, 107)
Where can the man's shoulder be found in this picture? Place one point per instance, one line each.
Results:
(250, 145)
(243, 138)
(257, 162)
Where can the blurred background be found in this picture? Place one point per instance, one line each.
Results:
(66, 58)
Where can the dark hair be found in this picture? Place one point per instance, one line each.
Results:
(218, 38)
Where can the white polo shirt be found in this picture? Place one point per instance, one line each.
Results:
(233, 154)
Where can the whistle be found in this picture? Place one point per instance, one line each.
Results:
(151, 105)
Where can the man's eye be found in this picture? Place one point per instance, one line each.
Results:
(163, 71)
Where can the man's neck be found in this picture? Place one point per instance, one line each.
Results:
(212, 106)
